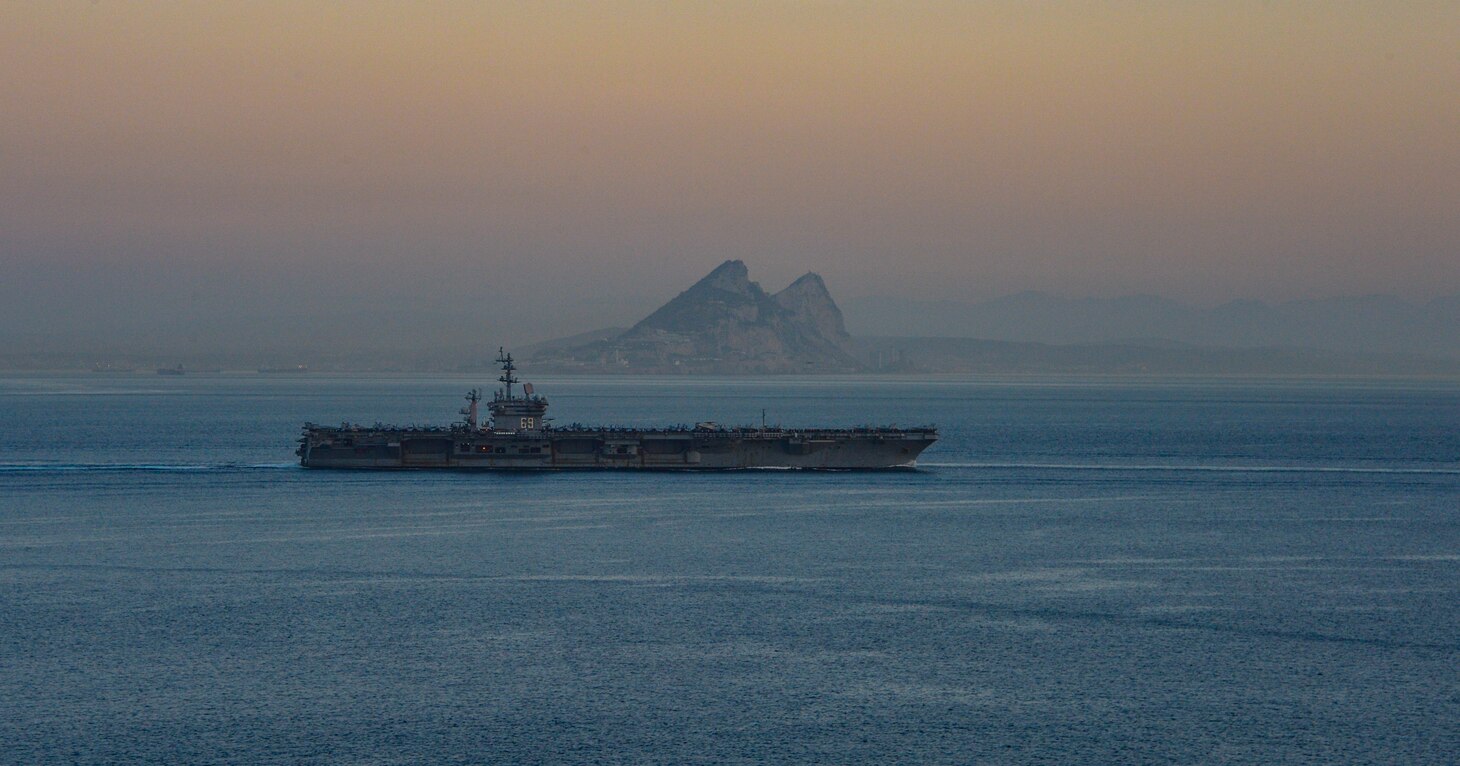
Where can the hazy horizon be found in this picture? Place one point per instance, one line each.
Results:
(443, 336)
(539, 169)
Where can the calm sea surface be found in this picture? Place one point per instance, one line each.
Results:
(1082, 572)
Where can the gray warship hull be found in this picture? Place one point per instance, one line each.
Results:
(519, 438)
(618, 449)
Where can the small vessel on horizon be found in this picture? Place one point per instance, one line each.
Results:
(519, 436)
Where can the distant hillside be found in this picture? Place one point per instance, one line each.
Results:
(560, 345)
(969, 355)
(723, 323)
(727, 324)
(1368, 324)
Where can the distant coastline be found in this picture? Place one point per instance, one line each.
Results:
(726, 324)
(911, 356)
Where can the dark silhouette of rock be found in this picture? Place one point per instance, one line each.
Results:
(725, 323)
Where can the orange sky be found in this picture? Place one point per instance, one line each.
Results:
(1204, 151)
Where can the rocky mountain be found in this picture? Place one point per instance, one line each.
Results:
(724, 323)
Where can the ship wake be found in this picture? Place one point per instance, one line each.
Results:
(33, 468)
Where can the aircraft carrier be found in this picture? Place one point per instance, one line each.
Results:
(519, 436)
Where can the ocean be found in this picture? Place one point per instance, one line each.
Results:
(1081, 572)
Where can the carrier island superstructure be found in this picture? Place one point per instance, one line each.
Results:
(519, 436)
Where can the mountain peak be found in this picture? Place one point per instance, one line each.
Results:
(810, 282)
(731, 276)
(727, 323)
(726, 290)
(809, 302)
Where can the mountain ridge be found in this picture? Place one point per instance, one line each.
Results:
(724, 322)
(1359, 324)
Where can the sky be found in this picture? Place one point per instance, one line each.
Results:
(542, 168)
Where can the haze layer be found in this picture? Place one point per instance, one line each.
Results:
(554, 166)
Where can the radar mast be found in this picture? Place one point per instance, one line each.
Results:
(507, 378)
